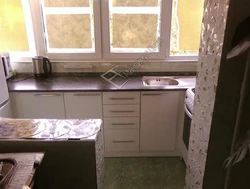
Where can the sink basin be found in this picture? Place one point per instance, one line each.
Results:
(159, 81)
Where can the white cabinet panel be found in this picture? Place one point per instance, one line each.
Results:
(158, 120)
(121, 110)
(121, 140)
(16, 105)
(49, 105)
(83, 105)
(122, 123)
(121, 98)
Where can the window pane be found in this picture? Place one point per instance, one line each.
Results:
(186, 27)
(134, 29)
(66, 3)
(69, 31)
(12, 28)
(135, 3)
(69, 26)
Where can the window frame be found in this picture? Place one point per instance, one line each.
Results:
(164, 34)
(36, 37)
(17, 56)
(40, 35)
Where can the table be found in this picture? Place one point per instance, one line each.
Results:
(25, 162)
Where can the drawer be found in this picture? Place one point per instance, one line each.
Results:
(122, 123)
(121, 110)
(121, 98)
(121, 140)
(83, 105)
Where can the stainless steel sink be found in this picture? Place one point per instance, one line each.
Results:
(159, 81)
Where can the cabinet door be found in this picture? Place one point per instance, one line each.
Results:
(16, 105)
(42, 105)
(121, 98)
(158, 120)
(83, 105)
(121, 140)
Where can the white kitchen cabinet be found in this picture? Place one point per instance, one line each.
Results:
(122, 123)
(47, 105)
(159, 112)
(80, 105)
(16, 106)
(121, 140)
(121, 112)
(121, 98)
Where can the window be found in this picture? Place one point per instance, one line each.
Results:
(102, 30)
(186, 27)
(134, 27)
(69, 26)
(16, 33)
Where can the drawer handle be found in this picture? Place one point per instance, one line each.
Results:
(116, 124)
(129, 98)
(155, 94)
(48, 95)
(86, 94)
(122, 111)
(123, 141)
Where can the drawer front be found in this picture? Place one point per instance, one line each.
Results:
(121, 140)
(83, 105)
(121, 110)
(42, 105)
(122, 123)
(121, 98)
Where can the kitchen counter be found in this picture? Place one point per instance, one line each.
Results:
(91, 82)
(73, 157)
(25, 162)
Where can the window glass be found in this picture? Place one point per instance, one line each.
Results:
(12, 27)
(135, 3)
(66, 3)
(70, 28)
(186, 27)
(134, 29)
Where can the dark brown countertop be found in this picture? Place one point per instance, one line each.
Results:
(90, 82)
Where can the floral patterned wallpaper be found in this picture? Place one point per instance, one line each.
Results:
(213, 28)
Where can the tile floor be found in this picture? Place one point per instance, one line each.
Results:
(144, 173)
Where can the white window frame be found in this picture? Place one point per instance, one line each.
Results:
(178, 58)
(164, 34)
(40, 36)
(36, 38)
(23, 56)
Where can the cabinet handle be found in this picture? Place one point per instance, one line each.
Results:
(122, 98)
(155, 94)
(116, 124)
(48, 95)
(87, 94)
(123, 141)
(122, 111)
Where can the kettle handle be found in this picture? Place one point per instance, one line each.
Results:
(47, 61)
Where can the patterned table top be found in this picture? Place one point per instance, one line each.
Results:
(48, 128)
(25, 162)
